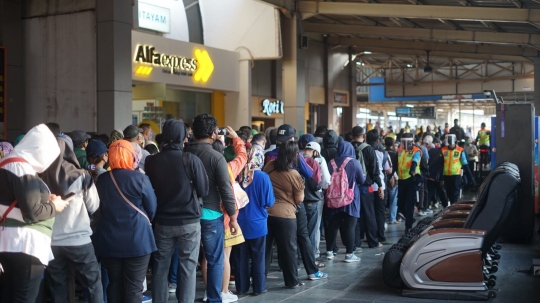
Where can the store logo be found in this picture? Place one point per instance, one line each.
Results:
(201, 67)
(154, 17)
(275, 107)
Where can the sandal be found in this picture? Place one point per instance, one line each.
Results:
(296, 286)
(319, 264)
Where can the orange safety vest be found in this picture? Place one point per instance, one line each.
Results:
(452, 161)
(405, 162)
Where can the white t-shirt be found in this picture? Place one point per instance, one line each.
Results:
(382, 169)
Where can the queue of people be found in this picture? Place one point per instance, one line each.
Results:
(199, 196)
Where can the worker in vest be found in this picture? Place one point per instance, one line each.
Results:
(482, 141)
(455, 160)
(391, 133)
(408, 171)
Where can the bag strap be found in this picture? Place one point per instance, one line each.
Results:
(186, 158)
(12, 205)
(334, 166)
(126, 199)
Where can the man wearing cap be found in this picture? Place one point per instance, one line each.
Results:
(131, 134)
(80, 142)
(454, 161)
(286, 133)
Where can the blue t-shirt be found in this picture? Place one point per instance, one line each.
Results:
(252, 218)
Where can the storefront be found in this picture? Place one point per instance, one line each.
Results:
(178, 80)
(266, 112)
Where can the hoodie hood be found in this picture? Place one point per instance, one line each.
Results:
(345, 150)
(38, 147)
(174, 133)
(304, 140)
(331, 139)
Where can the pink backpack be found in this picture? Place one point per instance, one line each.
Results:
(338, 193)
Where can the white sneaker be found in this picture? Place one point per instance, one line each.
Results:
(172, 287)
(205, 298)
(436, 205)
(421, 213)
(329, 255)
(228, 297)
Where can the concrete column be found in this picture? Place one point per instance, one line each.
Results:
(349, 113)
(326, 111)
(537, 86)
(238, 105)
(294, 78)
(114, 70)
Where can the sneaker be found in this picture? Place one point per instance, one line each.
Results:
(146, 299)
(329, 255)
(205, 298)
(436, 205)
(387, 242)
(358, 249)
(231, 280)
(228, 297)
(352, 258)
(318, 275)
(428, 211)
(401, 216)
(172, 287)
(385, 226)
(421, 213)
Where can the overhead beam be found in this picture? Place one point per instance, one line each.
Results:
(455, 81)
(445, 54)
(434, 46)
(424, 33)
(421, 11)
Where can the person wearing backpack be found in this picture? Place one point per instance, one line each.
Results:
(365, 154)
(343, 200)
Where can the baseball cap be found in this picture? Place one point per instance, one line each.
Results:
(314, 146)
(131, 132)
(96, 148)
(78, 137)
(285, 132)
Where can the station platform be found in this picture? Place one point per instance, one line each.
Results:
(362, 282)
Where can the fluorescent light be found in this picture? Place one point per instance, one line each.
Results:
(391, 113)
(353, 57)
(409, 65)
(358, 63)
(363, 64)
(409, 105)
(364, 110)
(440, 110)
(367, 53)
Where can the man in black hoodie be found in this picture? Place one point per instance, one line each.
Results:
(178, 215)
(330, 144)
(367, 223)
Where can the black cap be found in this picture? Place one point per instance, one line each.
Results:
(131, 132)
(285, 132)
(78, 137)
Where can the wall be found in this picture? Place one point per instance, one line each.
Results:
(12, 37)
(60, 61)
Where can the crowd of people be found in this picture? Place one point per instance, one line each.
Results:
(197, 196)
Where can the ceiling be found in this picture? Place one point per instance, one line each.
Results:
(462, 31)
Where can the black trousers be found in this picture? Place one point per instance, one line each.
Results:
(407, 200)
(380, 208)
(435, 190)
(304, 243)
(284, 232)
(367, 223)
(346, 224)
(126, 276)
(21, 277)
(87, 269)
(251, 249)
(452, 185)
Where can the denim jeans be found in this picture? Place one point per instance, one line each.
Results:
(173, 269)
(392, 201)
(312, 218)
(126, 277)
(212, 237)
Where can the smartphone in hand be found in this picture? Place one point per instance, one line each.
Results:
(68, 197)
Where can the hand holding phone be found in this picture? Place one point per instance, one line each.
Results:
(68, 197)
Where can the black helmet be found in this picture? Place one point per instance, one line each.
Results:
(483, 124)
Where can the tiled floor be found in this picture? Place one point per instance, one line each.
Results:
(362, 281)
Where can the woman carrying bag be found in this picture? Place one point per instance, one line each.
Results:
(124, 236)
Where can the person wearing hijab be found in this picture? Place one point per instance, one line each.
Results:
(124, 238)
(5, 149)
(71, 243)
(344, 218)
(28, 209)
(178, 213)
(115, 136)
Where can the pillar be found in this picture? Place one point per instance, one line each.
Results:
(537, 86)
(326, 111)
(114, 67)
(349, 114)
(294, 76)
(238, 105)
